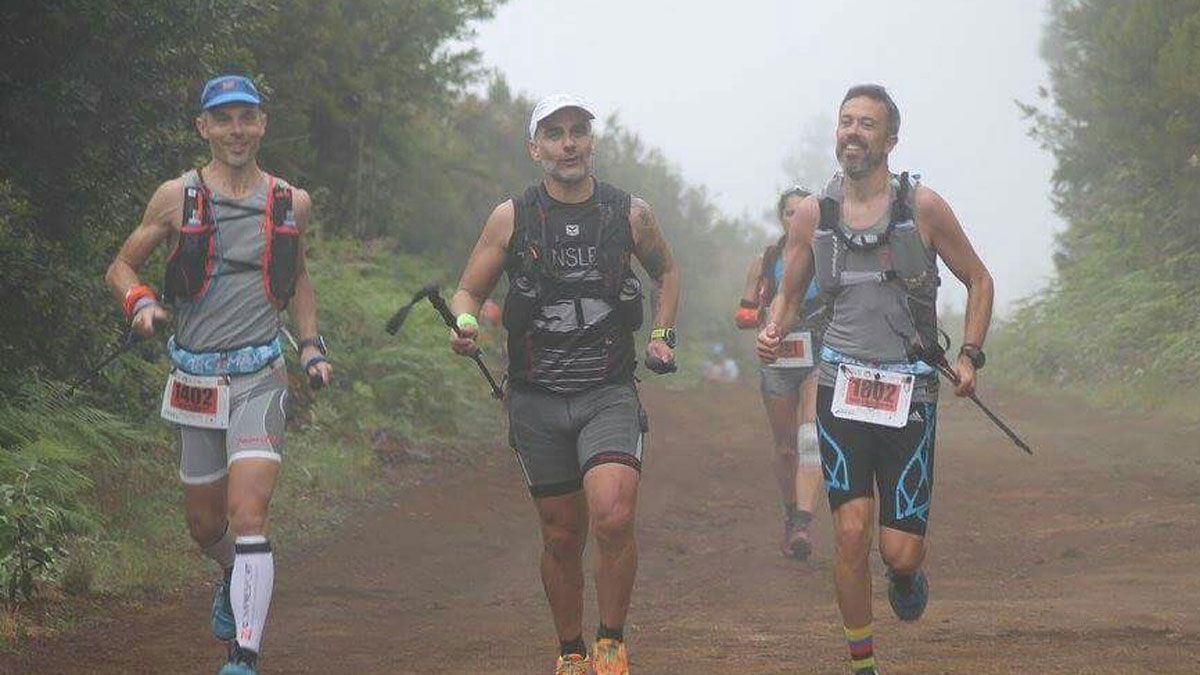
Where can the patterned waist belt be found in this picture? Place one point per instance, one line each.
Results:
(830, 355)
(243, 361)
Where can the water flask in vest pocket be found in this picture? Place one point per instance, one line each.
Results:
(824, 251)
(907, 251)
(520, 304)
(629, 303)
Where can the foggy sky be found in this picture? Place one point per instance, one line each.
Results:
(726, 89)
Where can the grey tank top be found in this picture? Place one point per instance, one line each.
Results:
(234, 311)
(871, 321)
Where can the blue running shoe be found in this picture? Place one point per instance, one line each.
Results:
(241, 662)
(908, 594)
(224, 628)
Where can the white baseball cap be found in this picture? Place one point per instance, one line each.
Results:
(552, 104)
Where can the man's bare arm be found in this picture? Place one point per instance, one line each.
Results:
(655, 256)
(486, 263)
(304, 301)
(158, 224)
(951, 243)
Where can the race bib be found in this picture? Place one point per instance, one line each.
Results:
(795, 351)
(196, 401)
(870, 395)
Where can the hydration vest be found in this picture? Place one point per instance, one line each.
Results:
(902, 256)
(191, 264)
(573, 301)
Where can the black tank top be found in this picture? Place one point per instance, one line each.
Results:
(568, 261)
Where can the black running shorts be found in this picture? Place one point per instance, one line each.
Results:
(858, 457)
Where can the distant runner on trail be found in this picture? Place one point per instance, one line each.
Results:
(872, 241)
(237, 260)
(789, 384)
(575, 420)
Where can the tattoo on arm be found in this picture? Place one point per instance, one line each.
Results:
(651, 249)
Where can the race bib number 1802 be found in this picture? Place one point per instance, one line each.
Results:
(196, 401)
(871, 395)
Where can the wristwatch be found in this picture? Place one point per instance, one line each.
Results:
(318, 342)
(973, 353)
(667, 335)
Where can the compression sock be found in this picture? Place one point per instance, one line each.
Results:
(862, 647)
(221, 550)
(802, 518)
(790, 511)
(575, 646)
(606, 633)
(250, 589)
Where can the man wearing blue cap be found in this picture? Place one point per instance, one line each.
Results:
(236, 261)
(575, 421)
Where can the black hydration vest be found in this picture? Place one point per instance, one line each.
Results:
(190, 265)
(573, 302)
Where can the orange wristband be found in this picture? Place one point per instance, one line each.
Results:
(746, 318)
(135, 293)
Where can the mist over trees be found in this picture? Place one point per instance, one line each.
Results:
(1122, 119)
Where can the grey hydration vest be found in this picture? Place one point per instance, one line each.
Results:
(233, 309)
(880, 284)
(573, 302)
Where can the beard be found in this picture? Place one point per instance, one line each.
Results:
(568, 175)
(862, 166)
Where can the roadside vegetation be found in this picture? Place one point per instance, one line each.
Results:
(1120, 324)
(405, 145)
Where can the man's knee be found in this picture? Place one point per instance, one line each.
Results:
(612, 523)
(563, 541)
(248, 516)
(205, 524)
(852, 535)
(903, 555)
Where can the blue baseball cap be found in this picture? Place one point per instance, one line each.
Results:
(229, 89)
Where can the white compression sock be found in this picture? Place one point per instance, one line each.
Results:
(221, 550)
(808, 448)
(250, 589)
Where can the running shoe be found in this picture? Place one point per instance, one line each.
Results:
(799, 542)
(241, 662)
(572, 664)
(908, 594)
(610, 658)
(224, 628)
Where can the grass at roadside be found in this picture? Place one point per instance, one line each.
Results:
(392, 397)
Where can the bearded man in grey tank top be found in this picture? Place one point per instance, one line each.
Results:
(237, 261)
(872, 242)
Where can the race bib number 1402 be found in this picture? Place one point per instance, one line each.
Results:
(871, 395)
(196, 401)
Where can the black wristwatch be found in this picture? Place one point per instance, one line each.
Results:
(318, 342)
(667, 335)
(974, 354)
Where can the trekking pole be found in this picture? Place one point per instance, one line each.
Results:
(431, 293)
(127, 341)
(938, 360)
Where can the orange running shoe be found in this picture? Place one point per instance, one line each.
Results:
(610, 658)
(572, 664)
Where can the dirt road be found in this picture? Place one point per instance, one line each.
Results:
(1082, 559)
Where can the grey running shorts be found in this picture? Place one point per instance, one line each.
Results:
(783, 382)
(256, 423)
(559, 437)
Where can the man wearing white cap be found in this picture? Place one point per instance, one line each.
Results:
(571, 311)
